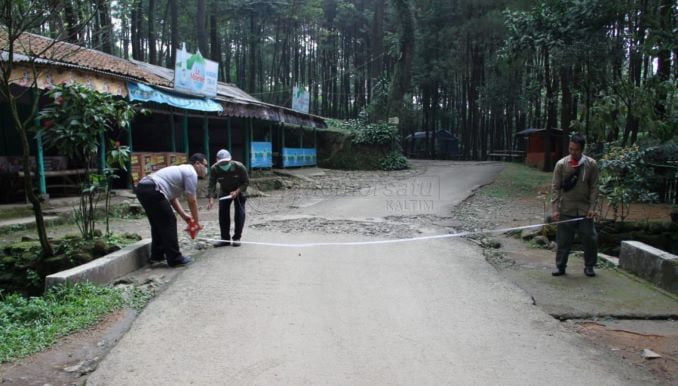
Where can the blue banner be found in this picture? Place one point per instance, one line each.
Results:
(261, 155)
(295, 157)
(142, 92)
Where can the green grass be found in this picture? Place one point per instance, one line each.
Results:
(29, 325)
(516, 181)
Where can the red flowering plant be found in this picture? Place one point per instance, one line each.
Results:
(76, 123)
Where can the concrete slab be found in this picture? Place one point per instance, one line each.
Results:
(105, 269)
(303, 172)
(650, 263)
(613, 293)
(610, 294)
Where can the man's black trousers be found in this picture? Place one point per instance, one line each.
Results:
(225, 217)
(164, 244)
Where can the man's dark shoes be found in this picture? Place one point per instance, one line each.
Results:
(236, 243)
(222, 244)
(155, 259)
(182, 261)
(588, 271)
(558, 272)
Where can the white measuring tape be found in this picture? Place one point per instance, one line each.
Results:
(447, 235)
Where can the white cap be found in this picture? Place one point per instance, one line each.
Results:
(223, 155)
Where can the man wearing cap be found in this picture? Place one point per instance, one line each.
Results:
(233, 181)
(158, 193)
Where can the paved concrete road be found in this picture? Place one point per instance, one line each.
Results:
(427, 312)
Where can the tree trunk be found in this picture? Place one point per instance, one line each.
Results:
(548, 161)
(401, 78)
(664, 55)
(20, 123)
(635, 73)
(377, 45)
(215, 44)
(137, 18)
(71, 18)
(152, 55)
(252, 65)
(174, 34)
(105, 32)
(565, 105)
(200, 21)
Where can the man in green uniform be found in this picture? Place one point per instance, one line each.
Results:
(575, 190)
(233, 181)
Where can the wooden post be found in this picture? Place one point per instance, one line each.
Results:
(229, 134)
(301, 137)
(270, 139)
(248, 144)
(184, 126)
(315, 145)
(40, 161)
(206, 133)
(282, 145)
(173, 132)
(129, 160)
(102, 153)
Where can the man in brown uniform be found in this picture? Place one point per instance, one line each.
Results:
(575, 190)
(233, 181)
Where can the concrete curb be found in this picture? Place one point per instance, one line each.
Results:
(610, 259)
(107, 268)
(650, 263)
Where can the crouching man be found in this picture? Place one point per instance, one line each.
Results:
(158, 193)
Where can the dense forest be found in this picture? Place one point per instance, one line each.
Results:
(483, 69)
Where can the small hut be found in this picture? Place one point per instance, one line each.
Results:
(533, 141)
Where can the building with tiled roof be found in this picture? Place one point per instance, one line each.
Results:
(179, 122)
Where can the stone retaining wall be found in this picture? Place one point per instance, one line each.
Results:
(107, 268)
(650, 263)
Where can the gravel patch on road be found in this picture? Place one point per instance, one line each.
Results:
(322, 225)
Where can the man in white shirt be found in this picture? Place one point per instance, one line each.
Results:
(158, 193)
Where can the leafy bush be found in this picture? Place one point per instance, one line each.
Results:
(625, 179)
(623, 98)
(394, 161)
(376, 134)
(366, 133)
(372, 146)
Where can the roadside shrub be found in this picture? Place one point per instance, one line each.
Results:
(365, 133)
(373, 146)
(394, 161)
(376, 134)
(624, 179)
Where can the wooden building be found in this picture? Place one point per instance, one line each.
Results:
(533, 142)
